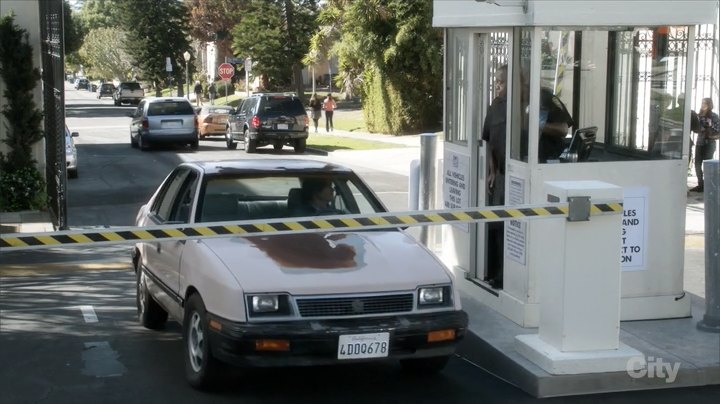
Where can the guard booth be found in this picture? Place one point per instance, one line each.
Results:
(623, 70)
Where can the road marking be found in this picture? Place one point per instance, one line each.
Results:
(89, 314)
(100, 360)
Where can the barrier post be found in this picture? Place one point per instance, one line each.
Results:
(711, 175)
(579, 287)
(428, 142)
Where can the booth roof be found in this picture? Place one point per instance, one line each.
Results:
(513, 13)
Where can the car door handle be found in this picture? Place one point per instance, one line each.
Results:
(158, 247)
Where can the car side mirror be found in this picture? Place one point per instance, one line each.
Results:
(74, 134)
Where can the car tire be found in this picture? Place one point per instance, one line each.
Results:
(195, 145)
(229, 142)
(300, 145)
(424, 366)
(143, 144)
(250, 144)
(133, 142)
(116, 102)
(277, 146)
(72, 173)
(150, 314)
(201, 368)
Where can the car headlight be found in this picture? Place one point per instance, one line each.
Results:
(269, 305)
(265, 303)
(434, 296)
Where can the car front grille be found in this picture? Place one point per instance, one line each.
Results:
(354, 306)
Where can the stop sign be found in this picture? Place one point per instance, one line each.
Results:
(226, 71)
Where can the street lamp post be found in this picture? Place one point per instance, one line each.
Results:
(186, 56)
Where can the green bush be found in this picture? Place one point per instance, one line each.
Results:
(220, 86)
(21, 189)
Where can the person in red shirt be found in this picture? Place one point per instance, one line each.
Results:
(329, 107)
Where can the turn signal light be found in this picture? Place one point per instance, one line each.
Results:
(255, 122)
(215, 325)
(441, 335)
(272, 345)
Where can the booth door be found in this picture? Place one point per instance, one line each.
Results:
(492, 56)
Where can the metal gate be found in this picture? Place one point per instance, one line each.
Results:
(53, 76)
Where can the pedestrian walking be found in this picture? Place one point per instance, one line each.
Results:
(212, 92)
(198, 93)
(329, 107)
(706, 140)
(316, 106)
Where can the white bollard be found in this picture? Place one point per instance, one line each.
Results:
(579, 287)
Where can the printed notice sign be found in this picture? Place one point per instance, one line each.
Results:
(634, 229)
(516, 230)
(455, 182)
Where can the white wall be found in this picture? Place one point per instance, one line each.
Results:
(27, 16)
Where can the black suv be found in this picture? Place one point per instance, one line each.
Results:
(263, 119)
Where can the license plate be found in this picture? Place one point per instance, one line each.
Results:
(360, 346)
(220, 120)
(282, 126)
(171, 124)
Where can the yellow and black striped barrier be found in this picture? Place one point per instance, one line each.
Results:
(118, 235)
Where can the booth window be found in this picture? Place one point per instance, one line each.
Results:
(456, 90)
(623, 89)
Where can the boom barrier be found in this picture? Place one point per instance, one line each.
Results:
(247, 228)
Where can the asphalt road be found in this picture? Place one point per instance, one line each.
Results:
(69, 333)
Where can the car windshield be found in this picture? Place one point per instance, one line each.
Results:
(216, 110)
(170, 108)
(130, 86)
(284, 104)
(228, 198)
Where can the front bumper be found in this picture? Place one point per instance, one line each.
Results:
(315, 342)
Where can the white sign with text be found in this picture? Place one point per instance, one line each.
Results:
(516, 230)
(455, 182)
(634, 229)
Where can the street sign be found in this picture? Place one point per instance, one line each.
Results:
(168, 65)
(248, 65)
(226, 71)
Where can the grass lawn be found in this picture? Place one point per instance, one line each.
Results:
(331, 143)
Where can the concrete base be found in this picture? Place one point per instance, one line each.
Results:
(557, 362)
(491, 345)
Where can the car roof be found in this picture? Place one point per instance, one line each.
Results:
(165, 99)
(223, 167)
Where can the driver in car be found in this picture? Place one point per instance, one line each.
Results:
(317, 198)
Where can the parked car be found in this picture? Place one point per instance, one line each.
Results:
(71, 158)
(266, 118)
(105, 90)
(294, 299)
(81, 84)
(213, 119)
(164, 120)
(128, 92)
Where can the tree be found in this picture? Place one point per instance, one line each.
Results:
(100, 14)
(213, 20)
(393, 45)
(104, 51)
(157, 30)
(73, 33)
(276, 35)
(21, 185)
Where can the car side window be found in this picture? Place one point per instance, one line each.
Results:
(184, 202)
(140, 108)
(163, 207)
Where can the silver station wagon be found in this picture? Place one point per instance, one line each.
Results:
(324, 297)
(164, 120)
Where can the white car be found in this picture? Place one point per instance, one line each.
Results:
(71, 158)
(293, 299)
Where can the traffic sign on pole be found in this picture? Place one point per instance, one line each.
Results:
(226, 71)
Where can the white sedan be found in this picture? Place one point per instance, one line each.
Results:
(294, 299)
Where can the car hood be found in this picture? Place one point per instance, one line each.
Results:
(327, 263)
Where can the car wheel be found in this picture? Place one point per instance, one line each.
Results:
(116, 102)
(201, 368)
(300, 145)
(424, 366)
(250, 144)
(195, 145)
(231, 145)
(150, 314)
(133, 142)
(142, 144)
(72, 173)
(277, 146)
